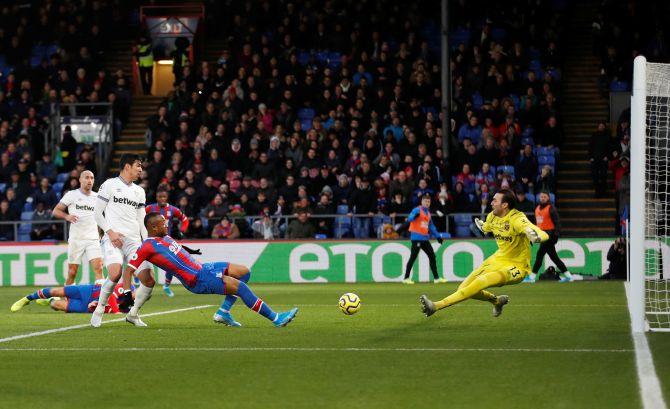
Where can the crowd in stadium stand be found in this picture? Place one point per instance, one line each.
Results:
(50, 53)
(622, 30)
(312, 111)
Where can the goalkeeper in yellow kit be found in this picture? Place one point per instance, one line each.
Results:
(509, 265)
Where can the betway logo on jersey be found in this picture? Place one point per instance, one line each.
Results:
(126, 201)
(84, 207)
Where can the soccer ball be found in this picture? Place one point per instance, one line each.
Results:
(350, 303)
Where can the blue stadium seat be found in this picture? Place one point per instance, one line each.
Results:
(27, 215)
(3, 187)
(507, 169)
(498, 34)
(546, 160)
(303, 57)
(619, 86)
(28, 207)
(545, 151)
(342, 227)
(463, 231)
(320, 236)
(62, 177)
(306, 124)
(527, 140)
(58, 186)
(342, 209)
(462, 219)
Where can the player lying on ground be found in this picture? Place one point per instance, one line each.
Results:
(508, 265)
(164, 252)
(73, 298)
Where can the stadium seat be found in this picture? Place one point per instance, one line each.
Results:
(619, 86)
(477, 101)
(28, 207)
(534, 65)
(342, 209)
(342, 227)
(58, 186)
(546, 160)
(463, 231)
(303, 57)
(27, 215)
(507, 169)
(62, 177)
(527, 141)
(305, 124)
(3, 187)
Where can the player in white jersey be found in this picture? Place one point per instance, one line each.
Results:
(119, 211)
(77, 207)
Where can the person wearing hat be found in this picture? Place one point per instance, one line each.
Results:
(421, 229)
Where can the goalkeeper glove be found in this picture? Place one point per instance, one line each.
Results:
(480, 224)
(191, 251)
(179, 234)
(532, 235)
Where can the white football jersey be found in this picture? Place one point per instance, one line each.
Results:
(123, 203)
(83, 206)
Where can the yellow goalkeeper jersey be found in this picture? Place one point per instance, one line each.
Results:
(510, 235)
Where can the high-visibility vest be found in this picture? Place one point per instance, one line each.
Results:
(421, 223)
(543, 218)
(148, 59)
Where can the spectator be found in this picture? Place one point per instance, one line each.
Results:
(598, 156)
(443, 208)
(217, 209)
(45, 194)
(7, 214)
(398, 206)
(42, 231)
(527, 169)
(402, 184)
(225, 229)
(264, 228)
(45, 168)
(523, 204)
(301, 227)
(471, 131)
(324, 225)
(196, 230)
(546, 181)
(363, 201)
(462, 202)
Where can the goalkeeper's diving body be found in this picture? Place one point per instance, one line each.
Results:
(508, 265)
(209, 278)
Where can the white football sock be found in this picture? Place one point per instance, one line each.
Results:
(142, 294)
(567, 274)
(105, 292)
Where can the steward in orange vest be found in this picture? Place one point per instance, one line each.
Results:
(421, 228)
(546, 218)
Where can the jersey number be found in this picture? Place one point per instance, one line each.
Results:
(515, 272)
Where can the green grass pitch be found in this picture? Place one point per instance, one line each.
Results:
(555, 346)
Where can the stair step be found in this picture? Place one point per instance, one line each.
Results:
(588, 232)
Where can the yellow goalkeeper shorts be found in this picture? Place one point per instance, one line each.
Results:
(508, 272)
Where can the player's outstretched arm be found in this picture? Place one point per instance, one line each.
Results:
(534, 233)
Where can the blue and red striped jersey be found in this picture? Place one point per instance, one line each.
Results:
(165, 253)
(169, 212)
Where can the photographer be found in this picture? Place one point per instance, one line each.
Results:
(616, 255)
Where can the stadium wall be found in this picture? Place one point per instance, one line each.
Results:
(309, 262)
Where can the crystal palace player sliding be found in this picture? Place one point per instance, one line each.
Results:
(509, 265)
(73, 298)
(169, 212)
(222, 278)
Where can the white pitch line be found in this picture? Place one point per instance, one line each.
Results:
(321, 349)
(650, 386)
(63, 329)
(473, 305)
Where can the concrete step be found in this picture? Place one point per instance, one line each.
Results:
(591, 231)
(581, 203)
